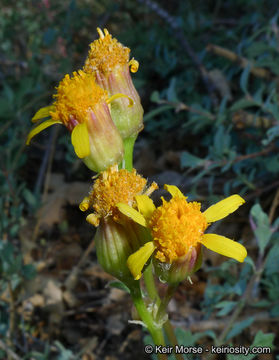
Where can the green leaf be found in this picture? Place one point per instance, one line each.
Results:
(239, 327)
(274, 312)
(262, 339)
(151, 114)
(250, 261)
(30, 198)
(242, 104)
(189, 160)
(262, 232)
(155, 96)
(272, 164)
(272, 134)
(29, 271)
(262, 304)
(272, 263)
(244, 78)
(119, 285)
(171, 91)
(226, 307)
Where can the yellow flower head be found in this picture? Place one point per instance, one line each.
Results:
(75, 96)
(82, 106)
(109, 61)
(187, 224)
(106, 53)
(110, 188)
(177, 226)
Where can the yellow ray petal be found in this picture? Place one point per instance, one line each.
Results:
(131, 213)
(42, 113)
(174, 191)
(145, 205)
(137, 260)
(223, 208)
(80, 140)
(40, 128)
(224, 246)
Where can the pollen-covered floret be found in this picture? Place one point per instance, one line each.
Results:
(113, 186)
(76, 96)
(106, 53)
(176, 226)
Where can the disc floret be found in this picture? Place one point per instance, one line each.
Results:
(176, 226)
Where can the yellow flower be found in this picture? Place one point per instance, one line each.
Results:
(117, 237)
(178, 226)
(109, 61)
(112, 187)
(82, 106)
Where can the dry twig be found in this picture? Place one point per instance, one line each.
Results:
(241, 61)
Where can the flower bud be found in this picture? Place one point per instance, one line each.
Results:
(109, 61)
(114, 244)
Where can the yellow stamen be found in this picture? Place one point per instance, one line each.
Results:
(100, 32)
(84, 205)
(93, 219)
(76, 96)
(150, 189)
(106, 53)
(176, 226)
(134, 65)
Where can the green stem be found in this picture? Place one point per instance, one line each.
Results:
(128, 153)
(154, 296)
(163, 306)
(172, 338)
(154, 330)
(150, 283)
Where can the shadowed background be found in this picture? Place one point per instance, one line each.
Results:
(208, 80)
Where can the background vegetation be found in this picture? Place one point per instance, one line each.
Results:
(208, 79)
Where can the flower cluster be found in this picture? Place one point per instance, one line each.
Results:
(174, 231)
(101, 108)
(99, 105)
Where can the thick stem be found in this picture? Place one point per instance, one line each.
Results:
(154, 330)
